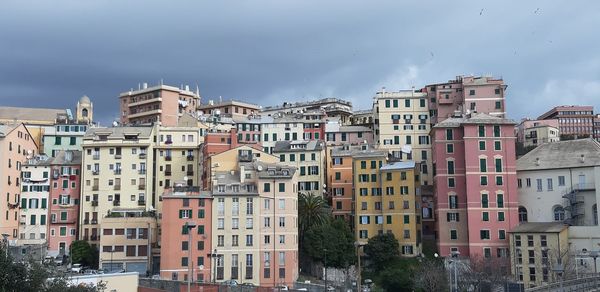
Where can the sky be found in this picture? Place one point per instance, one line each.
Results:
(270, 51)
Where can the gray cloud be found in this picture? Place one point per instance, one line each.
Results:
(270, 51)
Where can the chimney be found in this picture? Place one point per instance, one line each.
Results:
(144, 85)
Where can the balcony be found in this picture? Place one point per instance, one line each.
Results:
(117, 171)
(86, 221)
(117, 156)
(190, 172)
(96, 157)
(117, 187)
(190, 158)
(145, 113)
(96, 172)
(94, 221)
(142, 187)
(167, 172)
(95, 203)
(141, 202)
(142, 171)
(95, 187)
(146, 101)
(22, 221)
(168, 158)
(142, 155)
(94, 237)
(116, 203)
(12, 206)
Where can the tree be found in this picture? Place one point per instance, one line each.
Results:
(332, 239)
(312, 211)
(480, 272)
(430, 276)
(382, 250)
(83, 253)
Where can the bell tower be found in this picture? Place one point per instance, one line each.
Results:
(85, 110)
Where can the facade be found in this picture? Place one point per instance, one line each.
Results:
(64, 201)
(538, 135)
(362, 118)
(126, 241)
(597, 127)
(335, 134)
(333, 107)
(474, 185)
(308, 157)
(35, 188)
(528, 123)
(536, 248)
(16, 145)
(402, 127)
(162, 103)
(228, 108)
(63, 136)
(184, 205)
(117, 174)
(557, 182)
(574, 121)
(466, 94)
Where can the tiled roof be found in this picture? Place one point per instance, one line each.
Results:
(539, 227)
(30, 114)
(562, 154)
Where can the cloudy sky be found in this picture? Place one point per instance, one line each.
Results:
(267, 52)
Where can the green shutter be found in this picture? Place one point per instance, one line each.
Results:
(406, 219)
(201, 213)
(267, 187)
(302, 156)
(43, 220)
(281, 187)
(23, 203)
(44, 203)
(482, 165)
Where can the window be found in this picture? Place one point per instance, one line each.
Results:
(483, 180)
(497, 145)
(499, 180)
(472, 92)
(452, 217)
(485, 216)
(539, 184)
(501, 216)
(498, 162)
(482, 165)
(528, 182)
(484, 234)
(451, 182)
(501, 234)
(449, 148)
(484, 201)
(453, 234)
(500, 200)
(550, 187)
(559, 213)
(487, 252)
(407, 103)
(561, 180)
(481, 145)
(453, 202)
(481, 131)
(496, 131)
(449, 134)
(522, 214)
(450, 167)
(543, 240)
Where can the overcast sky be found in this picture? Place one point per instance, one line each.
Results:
(267, 52)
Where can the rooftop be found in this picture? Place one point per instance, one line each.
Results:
(120, 132)
(540, 227)
(350, 150)
(142, 90)
(30, 114)
(477, 118)
(68, 157)
(399, 165)
(5, 129)
(562, 154)
(287, 105)
(298, 146)
(354, 129)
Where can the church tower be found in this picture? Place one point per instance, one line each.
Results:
(85, 110)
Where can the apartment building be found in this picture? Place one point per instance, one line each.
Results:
(367, 192)
(362, 118)
(176, 159)
(249, 243)
(574, 121)
(402, 127)
(127, 240)
(474, 185)
(248, 129)
(64, 201)
(117, 174)
(162, 103)
(309, 158)
(292, 127)
(186, 243)
(536, 249)
(537, 135)
(557, 182)
(466, 94)
(35, 188)
(228, 108)
(336, 134)
(16, 145)
(37, 120)
(333, 107)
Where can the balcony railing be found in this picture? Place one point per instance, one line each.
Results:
(117, 156)
(118, 171)
(96, 157)
(190, 158)
(94, 221)
(190, 172)
(141, 202)
(142, 187)
(168, 158)
(96, 172)
(94, 203)
(86, 221)
(117, 187)
(142, 155)
(116, 203)
(142, 171)
(167, 172)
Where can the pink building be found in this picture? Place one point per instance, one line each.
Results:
(349, 135)
(476, 194)
(527, 124)
(573, 120)
(466, 94)
(183, 205)
(16, 143)
(65, 189)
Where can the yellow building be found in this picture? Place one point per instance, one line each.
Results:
(386, 200)
(309, 158)
(535, 249)
(402, 126)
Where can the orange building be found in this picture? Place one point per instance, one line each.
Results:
(181, 206)
(339, 180)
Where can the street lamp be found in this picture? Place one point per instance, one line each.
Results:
(189, 226)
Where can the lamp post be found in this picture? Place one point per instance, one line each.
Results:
(189, 226)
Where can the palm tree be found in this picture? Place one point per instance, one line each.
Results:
(312, 211)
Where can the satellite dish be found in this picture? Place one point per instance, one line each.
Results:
(185, 178)
(115, 123)
(201, 267)
(259, 167)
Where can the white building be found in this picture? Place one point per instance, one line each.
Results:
(559, 182)
(35, 190)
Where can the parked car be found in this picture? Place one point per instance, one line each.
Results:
(90, 272)
(58, 261)
(77, 268)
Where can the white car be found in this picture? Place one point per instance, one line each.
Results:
(76, 268)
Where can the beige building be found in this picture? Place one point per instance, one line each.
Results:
(536, 248)
(116, 175)
(402, 127)
(127, 240)
(309, 158)
(538, 135)
(16, 143)
(118, 282)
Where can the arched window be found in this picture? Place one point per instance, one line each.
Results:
(559, 213)
(522, 214)
(84, 112)
(595, 212)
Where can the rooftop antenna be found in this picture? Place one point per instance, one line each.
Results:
(161, 81)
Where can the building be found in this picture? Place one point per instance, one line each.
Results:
(16, 146)
(162, 103)
(248, 243)
(335, 134)
(574, 121)
(557, 182)
(64, 201)
(466, 94)
(84, 111)
(385, 200)
(66, 135)
(127, 240)
(474, 185)
(228, 108)
(35, 188)
(113, 281)
(597, 127)
(402, 127)
(538, 135)
(185, 206)
(362, 118)
(536, 249)
(333, 107)
(308, 157)
(117, 175)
